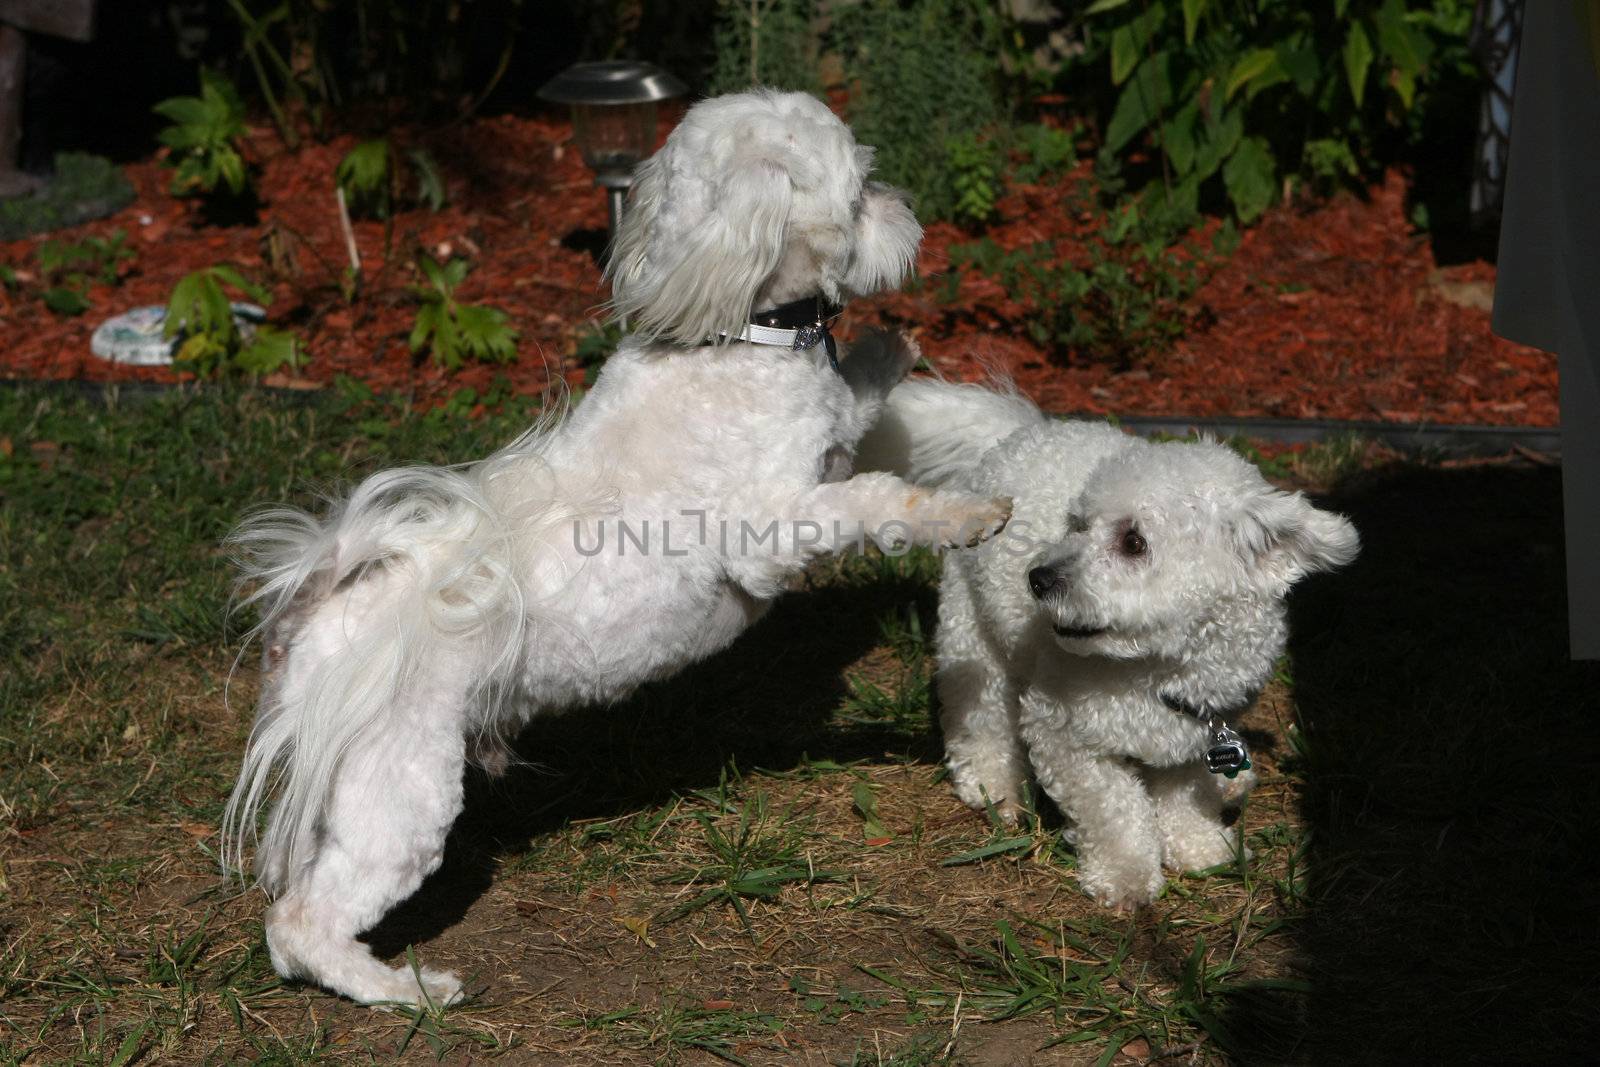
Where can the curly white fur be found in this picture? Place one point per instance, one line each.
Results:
(428, 615)
(1130, 570)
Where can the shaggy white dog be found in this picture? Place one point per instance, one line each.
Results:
(433, 611)
(1134, 604)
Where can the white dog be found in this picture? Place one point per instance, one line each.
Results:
(431, 613)
(1133, 606)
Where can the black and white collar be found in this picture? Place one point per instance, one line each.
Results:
(800, 325)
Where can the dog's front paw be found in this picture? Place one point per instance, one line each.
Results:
(1198, 851)
(984, 797)
(981, 521)
(1120, 880)
(880, 359)
(902, 353)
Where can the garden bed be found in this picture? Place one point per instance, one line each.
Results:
(1333, 310)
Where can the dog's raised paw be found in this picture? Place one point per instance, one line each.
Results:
(983, 523)
(904, 352)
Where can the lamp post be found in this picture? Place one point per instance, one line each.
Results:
(613, 118)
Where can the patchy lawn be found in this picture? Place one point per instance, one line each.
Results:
(758, 862)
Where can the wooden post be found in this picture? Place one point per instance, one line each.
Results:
(73, 19)
(13, 56)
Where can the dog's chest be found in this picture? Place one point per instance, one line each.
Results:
(1110, 713)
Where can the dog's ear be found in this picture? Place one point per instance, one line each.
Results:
(1283, 537)
(887, 235)
(688, 284)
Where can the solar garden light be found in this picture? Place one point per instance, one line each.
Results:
(613, 118)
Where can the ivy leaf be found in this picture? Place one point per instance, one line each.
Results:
(1402, 44)
(1130, 41)
(1250, 66)
(1177, 137)
(1222, 138)
(1192, 10)
(1357, 61)
(1141, 101)
(1124, 54)
(1250, 177)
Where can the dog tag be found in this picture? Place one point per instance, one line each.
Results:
(1228, 754)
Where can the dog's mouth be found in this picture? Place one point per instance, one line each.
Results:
(1080, 632)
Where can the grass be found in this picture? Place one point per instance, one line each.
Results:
(758, 861)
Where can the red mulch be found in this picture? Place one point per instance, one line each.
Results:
(1337, 310)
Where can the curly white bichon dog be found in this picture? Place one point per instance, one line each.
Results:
(1134, 605)
(435, 610)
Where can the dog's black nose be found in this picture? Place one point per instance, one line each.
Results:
(1041, 580)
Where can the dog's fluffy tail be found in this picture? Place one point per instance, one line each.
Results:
(934, 433)
(453, 549)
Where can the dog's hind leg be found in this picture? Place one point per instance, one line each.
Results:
(394, 796)
(977, 707)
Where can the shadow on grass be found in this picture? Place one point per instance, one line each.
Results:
(1453, 781)
(765, 703)
(1450, 755)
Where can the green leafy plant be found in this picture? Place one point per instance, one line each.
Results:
(375, 182)
(974, 177)
(204, 138)
(1245, 95)
(451, 331)
(68, 268)
(212, 341)
(1119, 300)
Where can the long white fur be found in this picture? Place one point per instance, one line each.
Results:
(1198, 616)
(426, 617)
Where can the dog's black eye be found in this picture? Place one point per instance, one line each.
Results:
(1133, 543)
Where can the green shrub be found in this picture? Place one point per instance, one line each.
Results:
(1119, 301)
(84, 187)
(312, 57)
(1040, 151)
(1246, 94)
(451, 331)
(766, 42)
(926, 90)
(924, 81)
(203, 138)
(212, 341)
